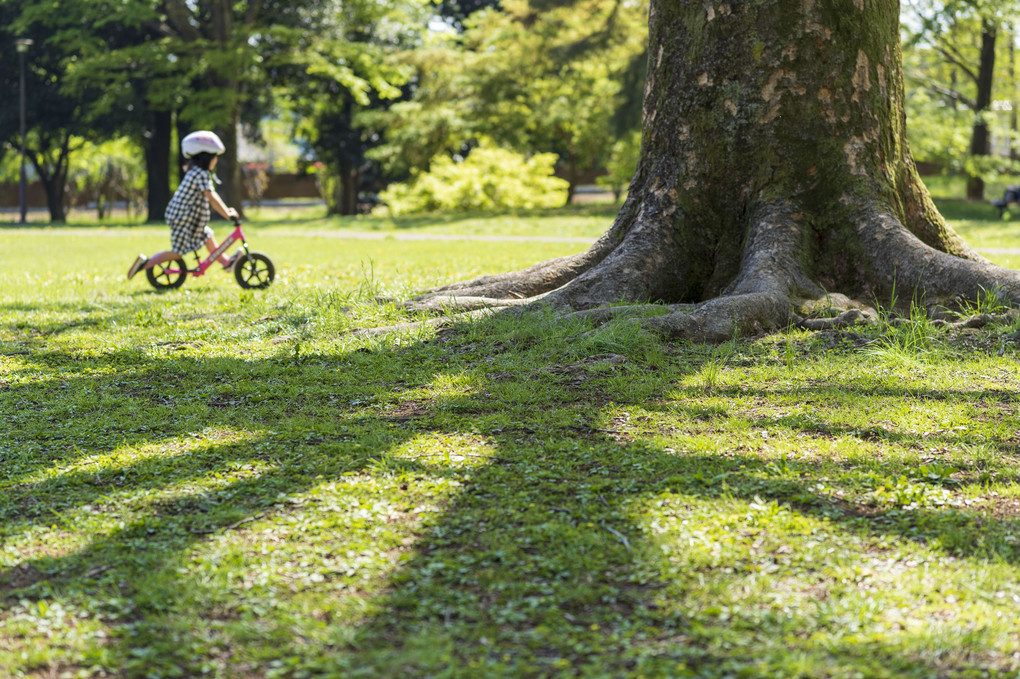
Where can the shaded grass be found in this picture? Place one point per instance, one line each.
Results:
(218, 483)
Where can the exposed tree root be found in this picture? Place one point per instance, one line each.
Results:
(639, 258)
(531, 282)
(457, 303)
(898, 260)
(602, 315)
(758, 300)
(843, 320)
(641, 267)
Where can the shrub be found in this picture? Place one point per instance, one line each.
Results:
(488, 179)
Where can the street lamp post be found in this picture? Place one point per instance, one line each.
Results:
(23, 46)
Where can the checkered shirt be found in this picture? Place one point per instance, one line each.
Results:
(188, 212)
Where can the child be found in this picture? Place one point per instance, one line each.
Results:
(188, 211)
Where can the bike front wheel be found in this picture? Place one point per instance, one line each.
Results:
(254, 270)
(167, 275)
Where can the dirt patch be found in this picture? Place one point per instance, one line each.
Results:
(180, 345)
(408, 410)
(1000, 508)
(19, 577)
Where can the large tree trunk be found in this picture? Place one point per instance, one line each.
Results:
(981, 138)
(774, 171)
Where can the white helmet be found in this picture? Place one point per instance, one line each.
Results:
(202, 141)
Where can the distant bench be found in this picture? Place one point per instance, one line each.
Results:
(1012, 195)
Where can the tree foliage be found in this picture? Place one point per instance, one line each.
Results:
(59, 112)
(349, 68)
(114, 65)
(961, 62)
(527, 77)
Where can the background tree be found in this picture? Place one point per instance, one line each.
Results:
(59, 116)
(774, 181)
(346, 68)
(115, 79)
(955, 46)
(149, 67)
(140, 81)
(528, 77)
(217, 43)
(547, 79)
(432, 117)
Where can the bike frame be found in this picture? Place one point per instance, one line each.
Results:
(203, 265)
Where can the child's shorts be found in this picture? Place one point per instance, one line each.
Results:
(185, 238)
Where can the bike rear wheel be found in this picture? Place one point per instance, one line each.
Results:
(254, 270)
(167, 275)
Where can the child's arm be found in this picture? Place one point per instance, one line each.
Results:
(220, 206)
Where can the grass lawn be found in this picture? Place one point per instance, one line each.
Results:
(226, 483)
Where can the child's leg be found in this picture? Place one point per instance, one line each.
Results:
(143, 262)
(160, 257)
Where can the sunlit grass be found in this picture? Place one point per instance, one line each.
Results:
(216, 482)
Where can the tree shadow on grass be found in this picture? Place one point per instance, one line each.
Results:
(209, 463)
(621, 595)
(562, 551)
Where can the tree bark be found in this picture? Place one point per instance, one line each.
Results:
(229, 166)
(55, 195)
(774, 173)
(571, 177)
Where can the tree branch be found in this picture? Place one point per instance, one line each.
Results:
(254, 8)
(159, 27)
(179, 15)
(955, 59)
(950, 94)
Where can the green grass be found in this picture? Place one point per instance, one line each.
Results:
(222, 483)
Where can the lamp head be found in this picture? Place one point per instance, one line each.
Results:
(23, 45)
